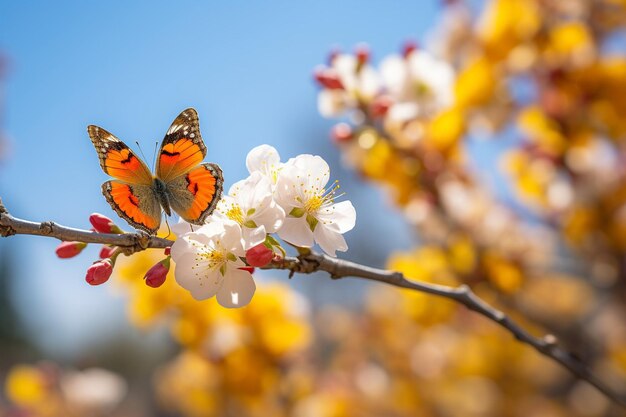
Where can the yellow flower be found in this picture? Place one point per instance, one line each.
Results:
(426, 264)
(475, 84)
(462, 255)
(26, 386)
(542, 130)
(446, 129)
(503, 273)
(570, 43)
(506, 23)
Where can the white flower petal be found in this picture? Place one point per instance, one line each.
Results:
(315, 172)
(368, 83)
(404, 111)
(287, 189)
(345, 65)
(395, 75)
(340, 217)
(214, 228)
(231, 239)
(201, 282)
(252, 237)
(297, 232)
(332, 103)
(182, 227)
(237, 289)
(271, 218)
(188, 243)
(329, 240)
(263, 158)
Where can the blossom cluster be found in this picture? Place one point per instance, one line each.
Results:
(291, 199)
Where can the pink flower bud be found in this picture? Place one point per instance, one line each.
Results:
(408, 47)
(328, 78)
(103, 224)
(380, 106)
(259, 255)
(155, 277)
(107, 251)
(99, 272)
(341, 132)
(70, 249)
(247, 269)
(362, 53)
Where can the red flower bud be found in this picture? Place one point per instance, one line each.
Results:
(70, 249)
(328, 78)
(380, 106)
(99, 272)
(107, 251)
(155, 277)
(409, 46)
(247, 268)
(341, 132)
(103, 224)
(362, 53)
(259, 255)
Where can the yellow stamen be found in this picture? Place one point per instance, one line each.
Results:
(214, 258)
(318, 199)
(235, 214)
(313, 204)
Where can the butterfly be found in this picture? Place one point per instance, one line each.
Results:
(181, 182)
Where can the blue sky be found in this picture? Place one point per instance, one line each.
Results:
(131, 67)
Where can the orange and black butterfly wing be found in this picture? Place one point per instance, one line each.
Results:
(195, 194)
(182, 148)
(136, 203)
(194, 188)
(117, 159)
(132, 195)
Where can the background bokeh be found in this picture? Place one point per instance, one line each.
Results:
(481, 143)
(131, 68)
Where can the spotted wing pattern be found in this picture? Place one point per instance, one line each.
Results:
(182, 148)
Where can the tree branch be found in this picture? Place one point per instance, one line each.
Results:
(308, 262)
(129, 242)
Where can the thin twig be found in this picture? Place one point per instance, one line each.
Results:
(308, 262)
(129, 242)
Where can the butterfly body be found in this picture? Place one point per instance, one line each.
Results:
(162, 194)
(182, 183)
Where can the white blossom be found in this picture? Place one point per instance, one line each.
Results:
(361, 83)
(208, 261)
(265, 160)
(419, 84)
(311, 212)
(250, 204)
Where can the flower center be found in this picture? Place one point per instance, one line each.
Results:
(215, 258)
(318, 199)
(314, 204)
(235, 213)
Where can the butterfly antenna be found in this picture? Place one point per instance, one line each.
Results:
(140, 150)
(156, 144)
